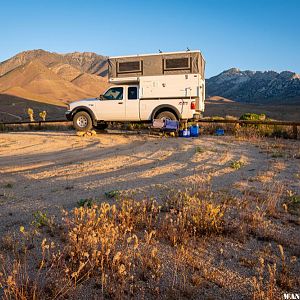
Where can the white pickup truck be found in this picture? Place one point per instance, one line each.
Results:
(145, 87)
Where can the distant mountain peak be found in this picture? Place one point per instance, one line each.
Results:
(88, 62)
(232, 71)
(83, 54)
(255, 86)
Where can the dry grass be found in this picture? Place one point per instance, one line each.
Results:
(278, 276)
(125, 249)
(25, 127)
(116, 245)
(247, 132)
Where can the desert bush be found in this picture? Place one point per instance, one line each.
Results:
(43, 115)
(272, 199)
(265, 289)
(191, 216)
(236, 164)
(210, 128)
(8, 185)
(17, 280)
(278, 276)
(30, 114)
(16, 284)
(247, 132)
(284, 280)
(253, 117)
(139, 214)
(101, 240)
(85, 203)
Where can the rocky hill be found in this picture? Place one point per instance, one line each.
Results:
(255, 87)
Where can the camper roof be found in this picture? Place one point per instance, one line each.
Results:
(161, 53)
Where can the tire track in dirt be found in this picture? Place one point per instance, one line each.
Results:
(63, 168)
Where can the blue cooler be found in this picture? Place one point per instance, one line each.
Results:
(171, 125)
(220, 131)
(194, 130)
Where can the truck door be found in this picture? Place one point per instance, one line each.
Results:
(111, 106)
(132, 104)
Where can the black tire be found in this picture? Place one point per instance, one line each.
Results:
(166, 115)
(101, 126)
(82, 121)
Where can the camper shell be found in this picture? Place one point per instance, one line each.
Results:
(176, 75)
(172, 63)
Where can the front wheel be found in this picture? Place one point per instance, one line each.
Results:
(166, 115)
(82, 121)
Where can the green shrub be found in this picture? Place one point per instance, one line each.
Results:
(253, 117)
(85, 203)
(236, 164)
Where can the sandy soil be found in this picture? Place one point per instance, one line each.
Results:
(49, 171)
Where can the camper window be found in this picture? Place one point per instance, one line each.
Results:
(177, 63)
(129, 67)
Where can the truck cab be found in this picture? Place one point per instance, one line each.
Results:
(175, 96)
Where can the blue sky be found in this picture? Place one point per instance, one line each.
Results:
(247, 34)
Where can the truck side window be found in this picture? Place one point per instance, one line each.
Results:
(115, 93)
(132, 93)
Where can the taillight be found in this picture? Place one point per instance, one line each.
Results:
(193, 105)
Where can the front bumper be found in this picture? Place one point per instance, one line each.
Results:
(69, 115)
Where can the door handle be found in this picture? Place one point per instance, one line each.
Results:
(120, 102)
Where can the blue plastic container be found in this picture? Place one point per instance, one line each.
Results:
(186, 132)
(220, 131)
(194, 130)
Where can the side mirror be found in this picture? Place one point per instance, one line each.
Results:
(101, 97)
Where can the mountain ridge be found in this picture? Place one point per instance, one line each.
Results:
(255, 86)
(89, 62)
(88, 71)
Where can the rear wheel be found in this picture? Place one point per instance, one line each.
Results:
(166, 115)
(82, 121)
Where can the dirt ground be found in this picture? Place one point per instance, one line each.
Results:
(49, 171)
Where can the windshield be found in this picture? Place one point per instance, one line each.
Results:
(115, 93)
